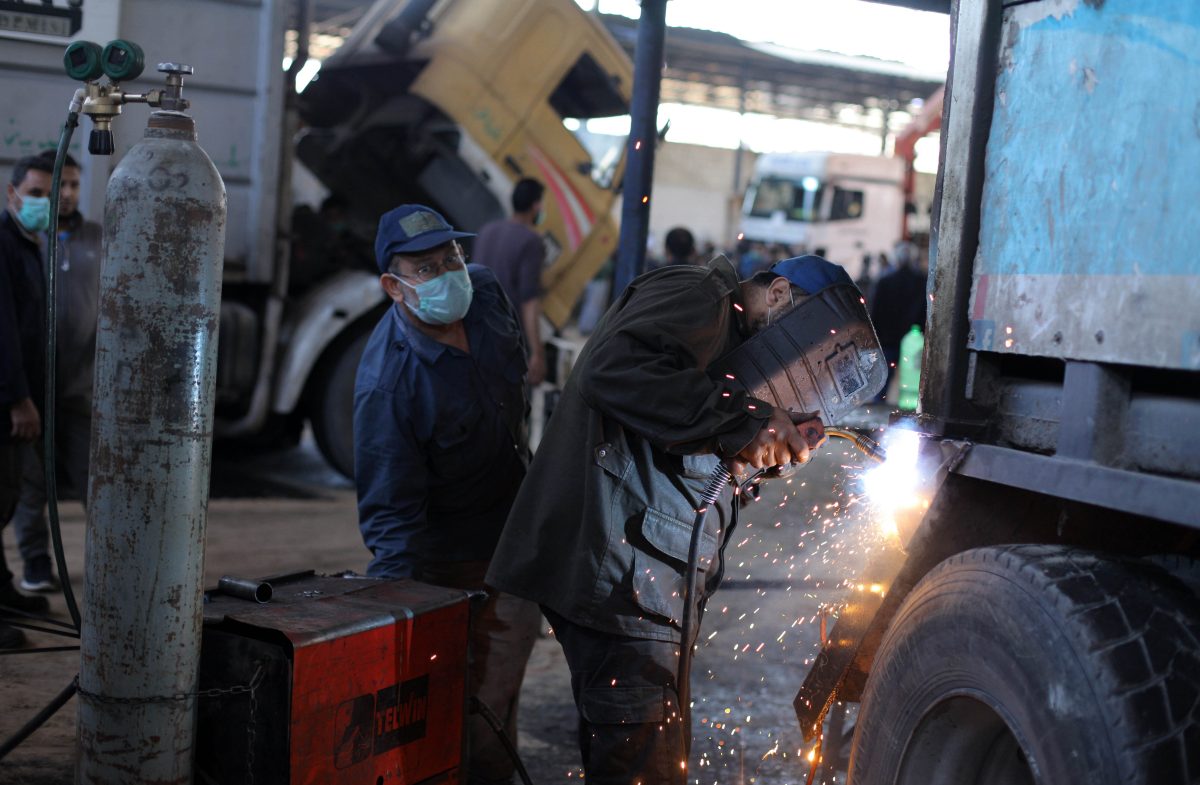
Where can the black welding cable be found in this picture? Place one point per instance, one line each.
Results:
(67, 633)
(717, 481)
(489, 716)
(49, 452)
(39, 650)
(39, 719)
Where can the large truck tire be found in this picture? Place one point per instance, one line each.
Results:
(331, 408)
(1035, 664)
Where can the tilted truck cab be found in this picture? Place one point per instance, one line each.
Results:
(1040, 621)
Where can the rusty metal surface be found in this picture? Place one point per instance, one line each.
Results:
(372, 684)
(317, 609)
(1088, 236)
(966, 125)
(152, 418)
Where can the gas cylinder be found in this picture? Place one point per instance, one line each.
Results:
(912, 346)
(151, 447)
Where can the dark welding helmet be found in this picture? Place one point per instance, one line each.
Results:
(821, 356)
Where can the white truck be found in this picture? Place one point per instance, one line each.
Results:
(442, 102)
(849, 205)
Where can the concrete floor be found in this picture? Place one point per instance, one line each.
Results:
(286, 511)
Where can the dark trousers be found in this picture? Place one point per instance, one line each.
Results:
(630, 728)
(72, 441)
(503, 632)
(10, 490)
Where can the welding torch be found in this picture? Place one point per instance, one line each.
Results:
(866, 446)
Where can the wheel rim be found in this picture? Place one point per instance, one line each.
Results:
(963, 741)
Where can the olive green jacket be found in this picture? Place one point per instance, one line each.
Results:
(601, 526)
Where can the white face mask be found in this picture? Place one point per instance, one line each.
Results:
(445, 299)
(34, 213)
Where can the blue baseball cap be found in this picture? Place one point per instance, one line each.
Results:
(411, 228)
(811, 273)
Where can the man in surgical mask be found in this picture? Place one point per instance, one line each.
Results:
(77, 297)
(440, 448)
(22, 359)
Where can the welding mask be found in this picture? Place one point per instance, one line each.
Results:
(821, 356)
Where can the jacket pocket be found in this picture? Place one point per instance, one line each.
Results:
(699, 467)
(658, 573)
(616, 705)
(673, 537)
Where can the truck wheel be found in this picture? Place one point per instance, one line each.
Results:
(1034, 664)
(332, 403)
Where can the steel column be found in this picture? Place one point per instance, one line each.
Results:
(639, 151)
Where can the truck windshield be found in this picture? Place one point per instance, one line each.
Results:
(585, 94)
(798, 200)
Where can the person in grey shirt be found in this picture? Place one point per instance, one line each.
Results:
(77, 294)
(514, 251)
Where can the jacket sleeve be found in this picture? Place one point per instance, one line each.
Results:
(390, 471)
(13, 386)
(647, 372)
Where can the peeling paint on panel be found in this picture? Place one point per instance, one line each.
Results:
(1090, 192)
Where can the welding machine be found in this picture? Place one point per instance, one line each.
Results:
(336, 679)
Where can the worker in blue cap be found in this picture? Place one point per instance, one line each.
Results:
(599, 532)
(440, 449)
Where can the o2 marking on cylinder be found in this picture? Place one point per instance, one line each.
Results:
(161, 179)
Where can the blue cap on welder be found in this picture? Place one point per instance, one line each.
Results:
(411, 228)
(811, 273)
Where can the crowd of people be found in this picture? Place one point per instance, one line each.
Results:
(590, 533)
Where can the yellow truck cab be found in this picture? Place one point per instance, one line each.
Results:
(523, 79)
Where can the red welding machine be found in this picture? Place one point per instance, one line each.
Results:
(334, 680)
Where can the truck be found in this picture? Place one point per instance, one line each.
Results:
(1032, 614)
(849, 205)
(444, 103)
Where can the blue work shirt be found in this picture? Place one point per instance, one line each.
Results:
(439, 436)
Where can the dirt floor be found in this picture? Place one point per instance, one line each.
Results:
(794, 550)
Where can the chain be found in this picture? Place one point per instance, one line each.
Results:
(251, 730)
(237, 689)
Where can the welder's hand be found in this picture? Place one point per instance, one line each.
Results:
(811, 429)
(26, 423)
(779, 442)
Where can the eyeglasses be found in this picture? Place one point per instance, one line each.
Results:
(452, 259)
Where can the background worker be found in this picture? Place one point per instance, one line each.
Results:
(22, 365)
(440, 448)
(515, 252)
(77, 300)
(680, 246)
(897, 303)
(599, 533)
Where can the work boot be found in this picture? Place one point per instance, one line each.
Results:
(13, 600)
(11, 637)
(38, 576)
